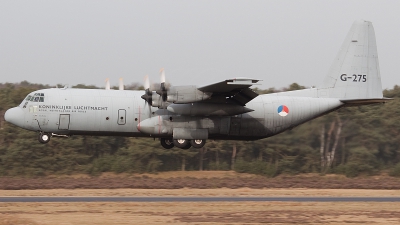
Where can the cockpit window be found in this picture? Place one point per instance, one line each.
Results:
(37, 97)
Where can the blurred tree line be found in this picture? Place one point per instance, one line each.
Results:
(353, 141)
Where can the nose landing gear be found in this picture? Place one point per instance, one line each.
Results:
(44, 138)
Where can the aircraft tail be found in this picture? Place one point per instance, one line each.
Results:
(354, 76)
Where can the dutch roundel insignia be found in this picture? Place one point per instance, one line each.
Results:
(283, 110)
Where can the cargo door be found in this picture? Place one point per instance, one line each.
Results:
(63, 122)
(34, 123)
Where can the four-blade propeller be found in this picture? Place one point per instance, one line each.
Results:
(148, 94)
(162, 91)
(163, 87)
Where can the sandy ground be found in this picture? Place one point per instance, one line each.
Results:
(105, 213)
(200, 212)
(199, 180)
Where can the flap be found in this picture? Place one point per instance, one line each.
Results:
(236, 91)
(229, 85)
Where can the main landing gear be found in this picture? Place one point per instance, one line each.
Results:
(44, 138)
(167, 143)
(182, 143)
(197, 143)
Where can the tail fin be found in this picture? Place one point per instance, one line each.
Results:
(354, 74)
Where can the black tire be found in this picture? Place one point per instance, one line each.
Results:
(197, 143)
(44, 138)
(182, 143)
(167, 143)
(187, 146)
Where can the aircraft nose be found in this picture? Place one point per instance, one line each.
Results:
(15, 116)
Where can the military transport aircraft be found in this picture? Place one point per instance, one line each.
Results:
(186, 116)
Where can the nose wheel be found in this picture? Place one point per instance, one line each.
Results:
(44, 138)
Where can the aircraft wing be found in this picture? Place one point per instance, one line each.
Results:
(236, 90)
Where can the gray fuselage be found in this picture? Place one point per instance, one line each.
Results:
(123, 113)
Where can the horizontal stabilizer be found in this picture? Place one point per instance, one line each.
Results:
(356, 102)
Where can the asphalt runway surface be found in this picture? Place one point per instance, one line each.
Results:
(199, 199)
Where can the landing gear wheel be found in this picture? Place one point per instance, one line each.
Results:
(182, 143)
(44, 138)
(167, 143)
(197, 143)
(187, 146)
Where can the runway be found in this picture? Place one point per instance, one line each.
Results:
(199, 199)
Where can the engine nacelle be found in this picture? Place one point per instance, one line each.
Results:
(207, 109)
(157, 101)
(186, 94)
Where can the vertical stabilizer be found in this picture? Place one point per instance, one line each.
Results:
(354, 73)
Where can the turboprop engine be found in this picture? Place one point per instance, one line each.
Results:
(165, 95)
(186, 94)
(207, 109)
(179, 95)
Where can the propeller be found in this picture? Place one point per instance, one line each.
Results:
(121, 84)
(107, 84)
(163, 91)
(147, 93)
(150, 97)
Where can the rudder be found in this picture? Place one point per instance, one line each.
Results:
(355, 74)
